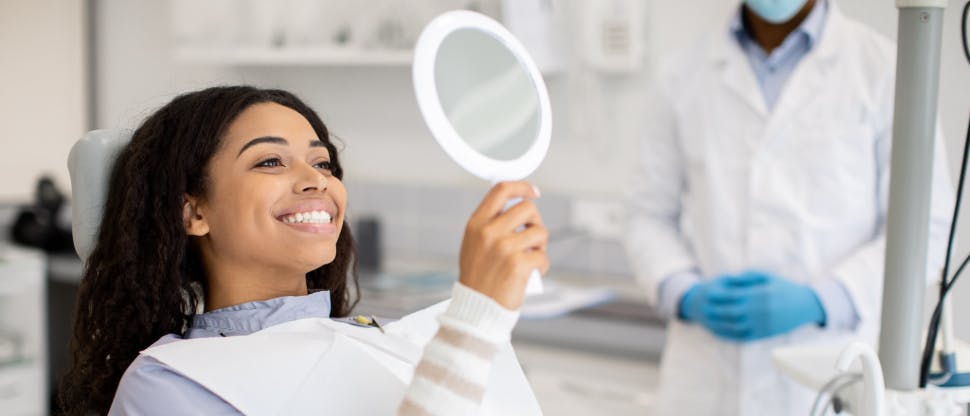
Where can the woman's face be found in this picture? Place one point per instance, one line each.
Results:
(272, 201)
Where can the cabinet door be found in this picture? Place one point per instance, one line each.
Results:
(42, 90)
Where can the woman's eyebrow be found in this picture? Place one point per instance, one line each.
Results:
(258, 140)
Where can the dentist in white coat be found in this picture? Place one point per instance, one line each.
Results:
(759, 206)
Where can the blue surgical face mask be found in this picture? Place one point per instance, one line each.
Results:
(775, 11)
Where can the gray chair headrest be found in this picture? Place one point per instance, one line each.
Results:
(90, 163)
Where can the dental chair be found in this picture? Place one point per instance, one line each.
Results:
(90, 163)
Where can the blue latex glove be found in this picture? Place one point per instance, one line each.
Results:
(703, 303)
(763, 306)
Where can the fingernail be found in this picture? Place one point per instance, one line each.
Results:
(536, 190)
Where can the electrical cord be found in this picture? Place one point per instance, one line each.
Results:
(945, 283)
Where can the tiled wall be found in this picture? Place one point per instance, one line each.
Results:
(428, 222)
(422, 221)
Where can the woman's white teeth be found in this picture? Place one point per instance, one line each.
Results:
(311, 217)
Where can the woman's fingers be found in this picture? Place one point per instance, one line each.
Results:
(535, 259)
(532, 238)
(494, 202)
(523, 214)
(501, 249)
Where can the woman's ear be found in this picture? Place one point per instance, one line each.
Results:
(195, 222)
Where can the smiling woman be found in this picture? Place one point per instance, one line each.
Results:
(267, 231)
(230, 200)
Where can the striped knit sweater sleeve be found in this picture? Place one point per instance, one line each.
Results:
(451, 377)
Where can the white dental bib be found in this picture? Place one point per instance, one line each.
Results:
(321, 366)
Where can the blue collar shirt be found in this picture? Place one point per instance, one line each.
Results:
(774, 69)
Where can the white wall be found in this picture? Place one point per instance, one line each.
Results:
(42, 101)
(373, 109)
(137, 75)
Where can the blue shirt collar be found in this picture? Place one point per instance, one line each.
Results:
(246, 318)
(811, 27)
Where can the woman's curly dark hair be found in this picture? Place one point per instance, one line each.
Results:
(144, 279)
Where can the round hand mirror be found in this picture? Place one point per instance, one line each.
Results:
(483, 98)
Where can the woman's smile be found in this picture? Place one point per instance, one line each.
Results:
(312, 216)
(317, 222)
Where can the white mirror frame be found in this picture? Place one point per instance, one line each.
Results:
(426, 91)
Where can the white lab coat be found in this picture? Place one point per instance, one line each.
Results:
(724, 185)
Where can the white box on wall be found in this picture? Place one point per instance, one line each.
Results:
(533, 22)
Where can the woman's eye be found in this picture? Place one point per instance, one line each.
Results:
(326, 165)
(270, 163)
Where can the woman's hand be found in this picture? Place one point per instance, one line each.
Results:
(500, 249)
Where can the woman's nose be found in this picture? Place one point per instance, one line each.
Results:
(309, 179)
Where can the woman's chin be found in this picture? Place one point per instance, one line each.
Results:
(317, 261)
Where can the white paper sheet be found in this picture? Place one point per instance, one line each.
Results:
(560, 299)
(320, 366)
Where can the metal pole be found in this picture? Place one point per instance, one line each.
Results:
(91, 62)
(914, 126)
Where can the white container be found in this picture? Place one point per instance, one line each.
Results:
(23, 332)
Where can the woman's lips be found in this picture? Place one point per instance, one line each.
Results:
(312, 217)
(316, 216)
(314, 228)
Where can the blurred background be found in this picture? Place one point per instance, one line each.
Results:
(589, 345)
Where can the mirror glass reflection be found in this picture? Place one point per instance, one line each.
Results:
(487, 94)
